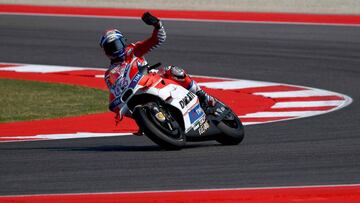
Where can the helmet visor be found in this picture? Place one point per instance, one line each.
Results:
(113, 47)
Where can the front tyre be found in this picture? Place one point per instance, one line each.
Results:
(167, 134)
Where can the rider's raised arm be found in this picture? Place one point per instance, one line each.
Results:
(157, 38)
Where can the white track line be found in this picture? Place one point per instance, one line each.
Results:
(308, 104)
(298, 93)
(39, 69)
(251, 123)
(64, 136)
(281, 114)
(237, 84)
(25, 68)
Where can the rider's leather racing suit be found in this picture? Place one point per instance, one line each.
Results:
(136, 51)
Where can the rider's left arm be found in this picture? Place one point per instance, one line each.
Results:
(157, 38)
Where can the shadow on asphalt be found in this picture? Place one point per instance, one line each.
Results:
(111, 148)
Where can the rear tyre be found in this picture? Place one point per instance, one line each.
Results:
(232, 130)
(168, 135)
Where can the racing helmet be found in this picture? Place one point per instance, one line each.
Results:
(114, 44)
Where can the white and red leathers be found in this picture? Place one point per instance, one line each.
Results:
(135, 52)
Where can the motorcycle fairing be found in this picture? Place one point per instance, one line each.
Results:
(174, 95)
(168, 91)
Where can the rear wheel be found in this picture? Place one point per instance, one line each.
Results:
(231, 128)
(159, 125)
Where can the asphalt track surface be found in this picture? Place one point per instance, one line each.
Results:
(311, 151)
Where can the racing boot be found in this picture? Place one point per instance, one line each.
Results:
(205, 99)
(181, 77)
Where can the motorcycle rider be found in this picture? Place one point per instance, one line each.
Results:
(120, 52)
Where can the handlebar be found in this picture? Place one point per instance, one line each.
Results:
(155, 66)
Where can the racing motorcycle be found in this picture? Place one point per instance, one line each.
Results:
(169, 114)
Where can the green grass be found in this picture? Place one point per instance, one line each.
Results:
(27, 100)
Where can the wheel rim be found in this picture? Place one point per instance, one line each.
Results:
(169, 126)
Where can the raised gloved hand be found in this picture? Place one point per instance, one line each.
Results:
(151, 20)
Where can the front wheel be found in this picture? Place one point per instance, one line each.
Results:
(231, 128)
(159, 126)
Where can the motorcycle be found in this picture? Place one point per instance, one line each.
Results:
(171, 115)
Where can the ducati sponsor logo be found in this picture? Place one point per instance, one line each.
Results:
(187, 99)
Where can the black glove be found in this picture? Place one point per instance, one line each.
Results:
(151, 20)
